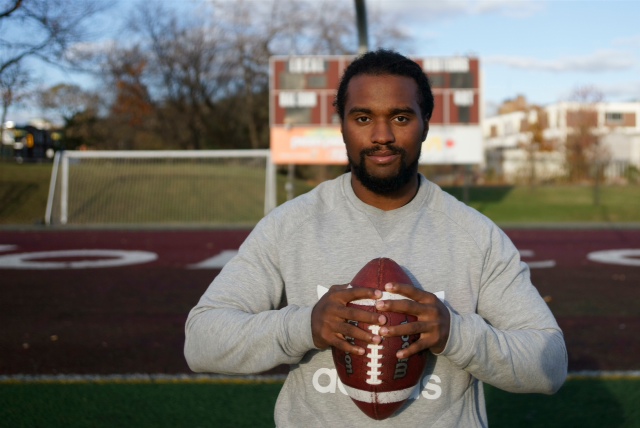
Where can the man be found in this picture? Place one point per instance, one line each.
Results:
(490, 326)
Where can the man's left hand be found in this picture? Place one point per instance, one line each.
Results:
(433, 322)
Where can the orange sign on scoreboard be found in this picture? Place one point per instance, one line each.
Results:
(307, 145)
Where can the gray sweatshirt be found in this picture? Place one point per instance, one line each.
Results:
(502, 332)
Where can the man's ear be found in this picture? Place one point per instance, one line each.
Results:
(426, 129)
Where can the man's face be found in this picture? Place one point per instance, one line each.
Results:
(383, 130)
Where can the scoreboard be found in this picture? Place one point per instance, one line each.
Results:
(305, 129)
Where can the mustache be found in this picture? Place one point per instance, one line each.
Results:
(392, 149)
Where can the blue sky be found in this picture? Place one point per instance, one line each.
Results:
(541, 49)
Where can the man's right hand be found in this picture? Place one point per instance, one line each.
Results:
(329, 318)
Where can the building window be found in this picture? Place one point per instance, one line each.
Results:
(461, 80)
(614, 118)
(316, 82)
(292, 81)
(464, 114)
(297, 116)
(437, 80)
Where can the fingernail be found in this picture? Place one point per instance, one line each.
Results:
(379, 305)
(378, 294)
(388, 286)
(384, 331)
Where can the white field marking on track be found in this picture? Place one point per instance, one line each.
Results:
(623, 257)
(542, 264)
(106, 258)
(211, 378)
(215, 262)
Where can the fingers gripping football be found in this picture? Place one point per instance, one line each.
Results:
(330, 319)
(433, 319)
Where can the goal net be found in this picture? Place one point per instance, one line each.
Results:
(209, 187)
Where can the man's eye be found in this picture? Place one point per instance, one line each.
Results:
(402, 119)
(362, 119)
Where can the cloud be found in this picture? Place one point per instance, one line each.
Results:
(622, 91)
(88, 50)
(431, 10)
(599, 61)
(632, 41)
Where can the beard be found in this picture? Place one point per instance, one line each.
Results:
(384, 185)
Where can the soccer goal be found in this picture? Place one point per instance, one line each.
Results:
(209, 187)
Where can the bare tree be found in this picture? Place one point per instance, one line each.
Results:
(14, 84)
(254, 32)
(205, 76)
(67, 101)
(77, 109)
(187, 73)
(44, 29)
(258, 30)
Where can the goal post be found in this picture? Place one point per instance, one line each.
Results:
(207, 187)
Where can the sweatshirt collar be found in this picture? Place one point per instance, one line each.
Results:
(414, 205)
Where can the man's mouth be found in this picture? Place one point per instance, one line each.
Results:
(384, 156)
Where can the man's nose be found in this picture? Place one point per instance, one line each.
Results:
(382, 133)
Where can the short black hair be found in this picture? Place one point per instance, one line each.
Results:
(383, 62)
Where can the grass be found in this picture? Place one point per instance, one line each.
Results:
(203, 195)
(23, 192)
(555, 204)
(583, 403)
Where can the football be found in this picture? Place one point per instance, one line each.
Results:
(378, 382)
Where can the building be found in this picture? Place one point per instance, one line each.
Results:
(530, 141)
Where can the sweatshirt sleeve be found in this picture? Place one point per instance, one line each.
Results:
(237, 326)
(513, 342)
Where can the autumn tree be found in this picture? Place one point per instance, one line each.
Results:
(533, 125)
(582, 143)
(131, 112)
(585, 154)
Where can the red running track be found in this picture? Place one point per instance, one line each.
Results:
(115, 301)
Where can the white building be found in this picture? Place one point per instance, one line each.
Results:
(507, 138)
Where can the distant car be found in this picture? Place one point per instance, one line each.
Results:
(28, 143)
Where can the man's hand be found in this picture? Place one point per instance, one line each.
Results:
(330, 315)
(433, 322)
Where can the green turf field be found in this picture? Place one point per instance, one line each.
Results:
(583, 403)
(24, 189)
(23, 192)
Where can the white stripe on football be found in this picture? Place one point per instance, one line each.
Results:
(385, 296)
(379, 397)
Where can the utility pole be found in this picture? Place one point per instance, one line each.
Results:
(361, 22)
